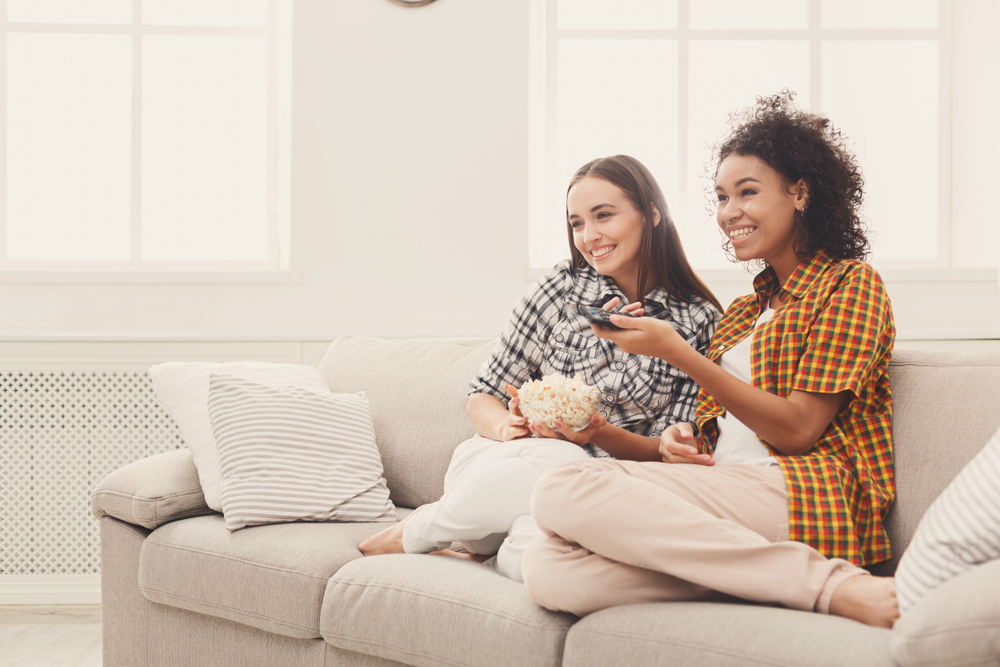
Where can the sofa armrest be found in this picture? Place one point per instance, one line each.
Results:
(152, 491)
(958, 623)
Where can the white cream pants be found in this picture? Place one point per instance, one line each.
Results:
(486, 501)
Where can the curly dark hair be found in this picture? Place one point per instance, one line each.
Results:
(802, 145)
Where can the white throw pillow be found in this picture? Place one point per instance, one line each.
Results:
(182, 388)
(960, 530)
(291, 454)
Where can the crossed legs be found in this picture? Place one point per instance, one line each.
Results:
(487, 488)
(619, 532)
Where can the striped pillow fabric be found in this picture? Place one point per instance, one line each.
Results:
(960, 530)
(291, 454)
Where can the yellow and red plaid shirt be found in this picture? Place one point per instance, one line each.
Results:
(835, 333)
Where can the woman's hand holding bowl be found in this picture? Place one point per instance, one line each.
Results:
(563, 432)
(516, 425)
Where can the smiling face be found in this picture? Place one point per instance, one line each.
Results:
(758, 212)
(607, 230)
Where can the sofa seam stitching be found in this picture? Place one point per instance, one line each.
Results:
(450, 601)
(241, 560)
(371, 642)
(940, 365)
(150, 589)
(933, 632)
(681, 643)
(123, 494)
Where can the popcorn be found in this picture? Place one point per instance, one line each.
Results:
(558, 398)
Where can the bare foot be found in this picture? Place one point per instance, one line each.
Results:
(868, 599)
(388, 541)
(477, 558)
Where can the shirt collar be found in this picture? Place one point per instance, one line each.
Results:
(766, 282)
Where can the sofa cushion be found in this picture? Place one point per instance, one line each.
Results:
(182, 388)
(958, 623)
(290, 454)
(431, 610)
(942, 401)
(269, 577)
(417, 392)
(719, 635)
(152, 491)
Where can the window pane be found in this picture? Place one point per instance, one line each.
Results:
(614, 96)
(883, 95)
(69, 11)
(233, 13)
(890, 14)
(69, 137)
(743, 15)
(204, 156)
(617, 15)
(776, 65)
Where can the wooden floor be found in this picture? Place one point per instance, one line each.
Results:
(50, 636)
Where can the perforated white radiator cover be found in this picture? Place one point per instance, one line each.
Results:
(60, 434)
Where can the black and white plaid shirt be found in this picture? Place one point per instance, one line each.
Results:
(547, 334)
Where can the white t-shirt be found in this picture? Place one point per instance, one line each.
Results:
(737, 443)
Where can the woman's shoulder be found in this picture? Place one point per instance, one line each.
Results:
(580, 281)
(554, 288)
(856, 274)
(741, 302)
(563, 270)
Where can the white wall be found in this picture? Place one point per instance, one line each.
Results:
(409, 192)
(409, 195)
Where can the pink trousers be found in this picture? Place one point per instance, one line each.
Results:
(622, 532)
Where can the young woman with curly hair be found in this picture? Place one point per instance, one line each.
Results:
(777, 491)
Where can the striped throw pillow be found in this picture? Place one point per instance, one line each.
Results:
(291, 454)
(960, 530)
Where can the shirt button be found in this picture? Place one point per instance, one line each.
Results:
(604, 413)
(611, 398)
(722, 347)
(619, 365)
(559, 338)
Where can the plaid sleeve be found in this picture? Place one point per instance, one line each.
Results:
(518, 354)
(849, 330)
(681, 408)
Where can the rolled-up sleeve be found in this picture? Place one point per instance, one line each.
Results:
(851, 330)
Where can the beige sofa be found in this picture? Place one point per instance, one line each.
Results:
(178, 589)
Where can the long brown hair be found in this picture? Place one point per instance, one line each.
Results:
(661, 257)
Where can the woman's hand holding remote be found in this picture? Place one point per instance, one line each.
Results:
(634, 309)
(647, 336)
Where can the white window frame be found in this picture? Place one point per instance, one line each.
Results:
(543, 62)
(276, 268)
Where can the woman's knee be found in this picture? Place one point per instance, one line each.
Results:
(545, 453)
(558, 492)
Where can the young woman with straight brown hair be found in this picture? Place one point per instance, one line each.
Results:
(624, 248)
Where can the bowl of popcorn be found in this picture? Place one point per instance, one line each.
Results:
(557, 398)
